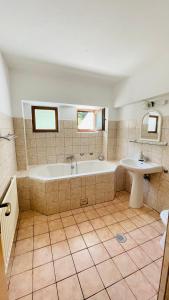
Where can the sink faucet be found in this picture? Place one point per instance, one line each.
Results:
(141, 158)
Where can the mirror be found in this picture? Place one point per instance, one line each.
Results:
(151, 126)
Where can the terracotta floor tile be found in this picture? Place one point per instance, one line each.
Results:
(149, 247)
(113, 247)
(77, 211)
(82, 260)
(85, 227)
(130, 212)
(116, 228)
(140, 286)
(72, 231)
(88, 285)
(97, 223)
(41, 228)
(138, 221)
(125, 264)
(119, 216)
(24, 246)
(104, 234)
(68, 221)
(147, 218)
(149, 231)
(98, 253)
(102, 211)
(139, 236)
(55, 224)
(43, 276)
(65, 214)
(91, 214)
(22, 263)
(25, 233)
(16, 289)
(91, 238)
(41, 240)
(130, 243)
(151, 272)
(28, 297)
(69, 289)
(158, 225)
(100, 296)
(120, 291)
(159, 263)
(80, 218)
(57, 236)
(40, 219)
(76, 244)
(64, 267)
(60, 249)
(42, 256)
(108, 272)
(53, 217)
(155, 214)
(128, 225)
(109, 220)
(48, 293)
(139, 257)
(26, 222)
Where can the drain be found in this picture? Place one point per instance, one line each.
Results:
(121, 238)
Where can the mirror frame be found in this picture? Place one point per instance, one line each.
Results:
(159, 128)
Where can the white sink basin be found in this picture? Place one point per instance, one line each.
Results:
(137, 170)
(140, 167)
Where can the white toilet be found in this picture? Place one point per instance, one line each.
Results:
(164, 219)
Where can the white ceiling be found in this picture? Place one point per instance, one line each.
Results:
(111, 37)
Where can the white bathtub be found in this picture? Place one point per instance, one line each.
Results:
(63, 170)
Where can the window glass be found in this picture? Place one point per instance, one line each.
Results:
(44, 119)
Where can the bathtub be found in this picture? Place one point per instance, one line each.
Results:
(55, 188)
(64, 170)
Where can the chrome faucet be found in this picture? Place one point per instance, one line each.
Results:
(71, 158)
(101, 157)
(141, 158)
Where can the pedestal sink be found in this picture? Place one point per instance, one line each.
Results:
(137, 170)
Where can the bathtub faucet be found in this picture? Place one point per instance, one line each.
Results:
(71, 158)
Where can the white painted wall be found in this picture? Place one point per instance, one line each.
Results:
(5, 105)
(149, 81)
(71, 89)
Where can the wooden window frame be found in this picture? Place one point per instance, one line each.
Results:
(34, 118)
(94, 111)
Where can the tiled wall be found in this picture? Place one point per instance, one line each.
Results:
(157, 190)
(7, 153)
(55, 196)
(43, 148)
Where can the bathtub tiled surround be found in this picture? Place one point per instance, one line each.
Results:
(7, 152)
(44, 148)
(54, 196)
(74, 255)
(156, 191)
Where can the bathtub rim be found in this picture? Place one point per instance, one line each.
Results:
(26, 173)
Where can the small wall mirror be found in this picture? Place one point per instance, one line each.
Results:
(151, 126)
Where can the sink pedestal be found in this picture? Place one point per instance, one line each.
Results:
(136, 197)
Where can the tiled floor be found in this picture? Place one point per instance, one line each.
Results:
(74, 255)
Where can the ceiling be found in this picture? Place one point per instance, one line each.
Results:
(108, 37)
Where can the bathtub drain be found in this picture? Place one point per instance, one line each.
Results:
(121, 238)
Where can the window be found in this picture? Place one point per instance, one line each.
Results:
(44, 119)
(91, 120)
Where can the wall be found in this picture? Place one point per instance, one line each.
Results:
(148, 81)
(7, 149)
(61, 87)
(40, 148)
(128, 127)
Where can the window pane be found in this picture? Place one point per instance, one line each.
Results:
(86, 120)
(99, 119)
(45, 119)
